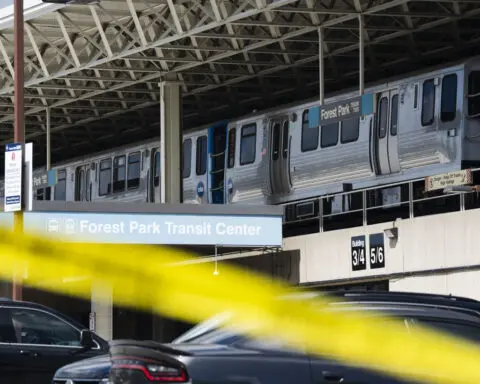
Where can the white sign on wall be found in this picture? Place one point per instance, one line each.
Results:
(13, 177)
(450, 179)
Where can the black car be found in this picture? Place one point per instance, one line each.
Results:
(211, 353)
(35, 341)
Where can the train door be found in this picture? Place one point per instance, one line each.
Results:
(82, 183)
(154, 177)
(217, 145)
(384, 136)
(279, 155)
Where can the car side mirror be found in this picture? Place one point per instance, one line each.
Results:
(86, 339)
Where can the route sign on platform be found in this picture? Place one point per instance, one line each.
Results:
(13, 177)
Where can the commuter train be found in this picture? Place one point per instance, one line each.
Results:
(419, 125)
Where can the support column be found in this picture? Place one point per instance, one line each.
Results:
(102, 310)
(170, 172)
(48, 148)
(170, 143)
(361, 55)
(321, 72)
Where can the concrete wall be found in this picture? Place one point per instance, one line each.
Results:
(456, 283)
(445, 244)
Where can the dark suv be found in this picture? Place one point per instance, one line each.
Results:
(212, 353)
(35, 341)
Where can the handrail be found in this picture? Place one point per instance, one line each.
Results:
(364, 209)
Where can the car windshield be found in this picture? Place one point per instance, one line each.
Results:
(211, 331)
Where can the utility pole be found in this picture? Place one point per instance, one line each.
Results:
(19, 125)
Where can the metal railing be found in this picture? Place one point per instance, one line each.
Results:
(413, 202)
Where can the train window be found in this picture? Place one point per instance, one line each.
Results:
(329, 135)
(89, 186)
(187, 158)
(105, 177)
(79, 184)
(119, 174)
(232, 138)
(473, 93)
(428, 102)
(40, 194)
(394, 116)
(60, 192)
(350, 130)
(156, 170)
(248, 143)
(201, 160)
(48, 193)
(276, 141)
(382, 117)
(309, 135)
(133, 171)
(448, 104)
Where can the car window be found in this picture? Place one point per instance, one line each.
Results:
(38, 327)
(462, 330)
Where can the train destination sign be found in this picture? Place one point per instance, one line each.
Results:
(183, 229)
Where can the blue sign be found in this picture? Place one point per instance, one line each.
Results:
(180, 229)
(377, 251)
(200, 189)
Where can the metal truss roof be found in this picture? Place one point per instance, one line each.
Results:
(97, 66)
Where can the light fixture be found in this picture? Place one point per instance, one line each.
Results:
(392, 233)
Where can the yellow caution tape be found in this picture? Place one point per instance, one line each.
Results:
(147, 277)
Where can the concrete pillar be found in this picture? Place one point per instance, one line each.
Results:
(170, 143)
(170, 173)
(101, 316)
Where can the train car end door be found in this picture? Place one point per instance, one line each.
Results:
(280, 155)
(384, 136)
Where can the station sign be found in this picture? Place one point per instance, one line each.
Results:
(168, 229)
(341, 110)
(334, 113)
(449, 179)
(45, 179)
(13, 177)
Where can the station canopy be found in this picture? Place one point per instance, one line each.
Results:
(97, 66)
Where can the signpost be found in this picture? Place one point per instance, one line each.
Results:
(358, 253)
(13, 177)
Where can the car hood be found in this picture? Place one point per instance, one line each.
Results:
(93, 368)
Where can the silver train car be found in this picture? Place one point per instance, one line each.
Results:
(419, 125)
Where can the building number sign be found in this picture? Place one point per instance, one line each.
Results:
(377, 251)
(358, 253)
(375, 257)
